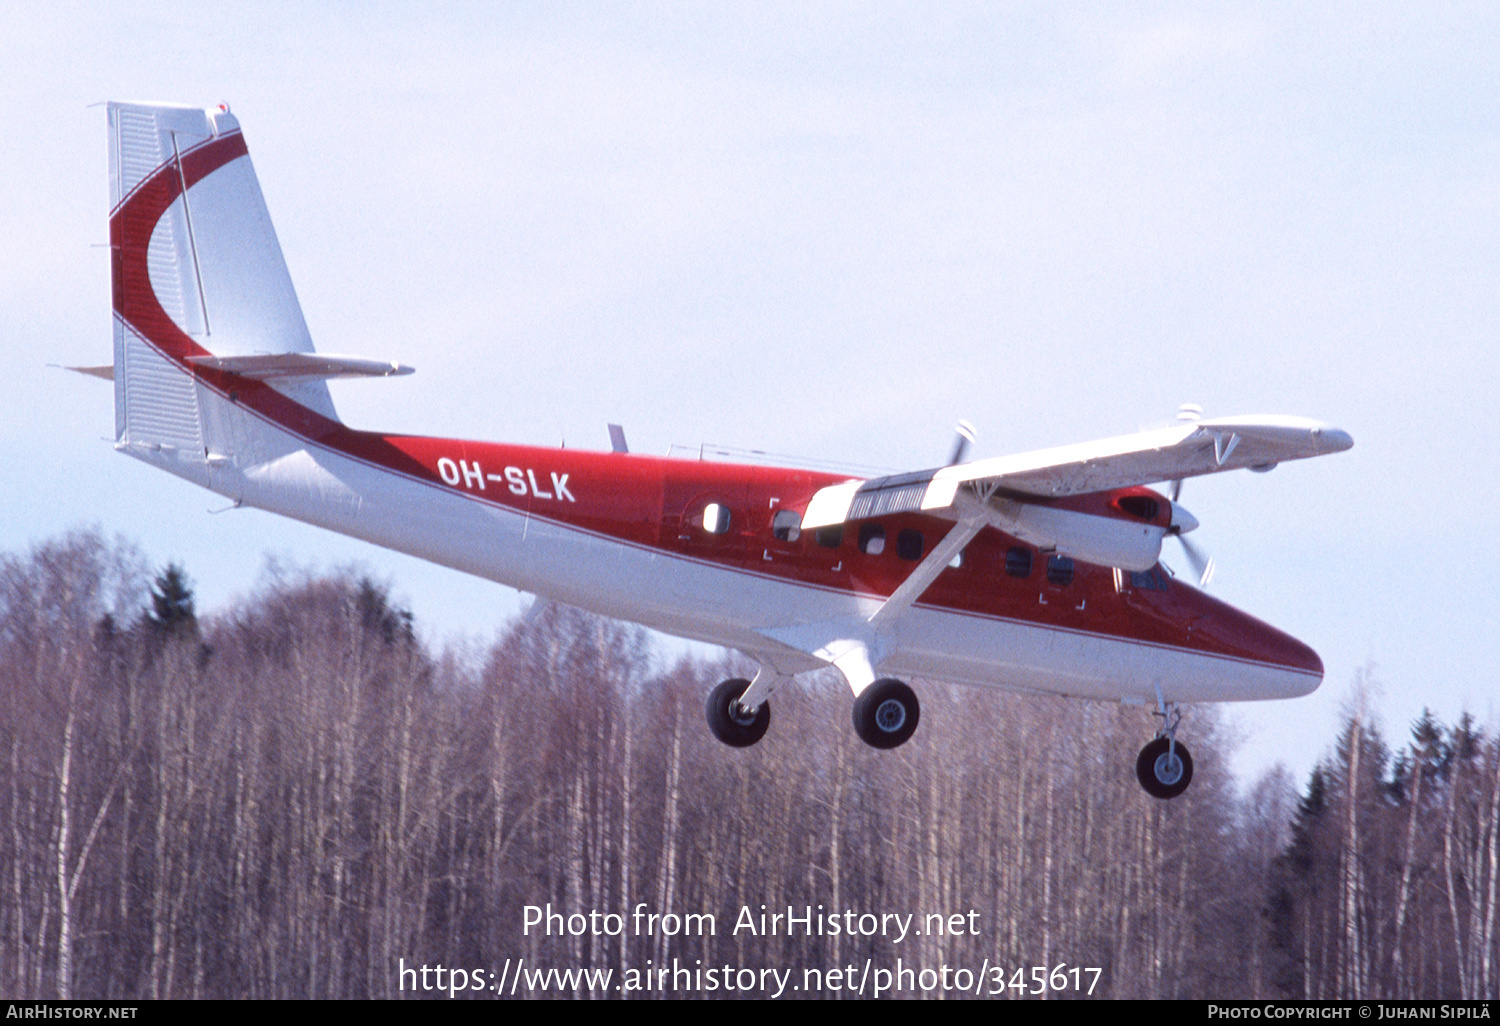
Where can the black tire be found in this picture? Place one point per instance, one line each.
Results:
(1155, 770)
(728, 722)
(886, 714)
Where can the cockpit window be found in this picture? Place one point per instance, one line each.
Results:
(1148, 580)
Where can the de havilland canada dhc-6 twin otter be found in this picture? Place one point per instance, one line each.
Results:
(1037, 572)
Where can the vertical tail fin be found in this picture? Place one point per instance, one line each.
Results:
(197, 272)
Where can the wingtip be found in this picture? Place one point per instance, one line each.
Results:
(1334, 439)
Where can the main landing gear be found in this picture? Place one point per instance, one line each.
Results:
(1164, 767)
(731, 722)
(885, 714)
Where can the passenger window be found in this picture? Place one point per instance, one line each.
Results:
(716, 518)
(1060, 570)
(830, 537)
(1018, 562)
(909, 544)
(786, 525)
(872, 539)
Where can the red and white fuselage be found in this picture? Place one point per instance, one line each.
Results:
(217, 381)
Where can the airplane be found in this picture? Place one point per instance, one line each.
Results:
(1036, 572)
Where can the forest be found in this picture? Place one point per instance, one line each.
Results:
(299, 797)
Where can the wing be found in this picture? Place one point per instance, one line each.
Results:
(1189, 450)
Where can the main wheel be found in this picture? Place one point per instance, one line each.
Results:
(1165, 770)
(731, 724)
(886, 714)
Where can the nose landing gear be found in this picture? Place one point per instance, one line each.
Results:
(1164, 767)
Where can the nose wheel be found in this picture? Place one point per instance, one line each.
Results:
(1164, 768)
(731, 722)
(886, 714)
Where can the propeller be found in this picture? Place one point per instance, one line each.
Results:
(1202, 563)
(966, 436)
(1183, 521)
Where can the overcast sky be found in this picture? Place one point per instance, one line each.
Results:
(830, 230)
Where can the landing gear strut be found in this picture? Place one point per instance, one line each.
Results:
(1164, 767)
(731, 722)
(886, 714)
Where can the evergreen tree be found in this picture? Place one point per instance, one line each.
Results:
(172, 613)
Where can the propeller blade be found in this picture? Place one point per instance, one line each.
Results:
(1201, 562)
(966, 435)
(1182, 523)
(1187, 413)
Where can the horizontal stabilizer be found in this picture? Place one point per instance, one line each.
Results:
(305, 366)
(106, 371)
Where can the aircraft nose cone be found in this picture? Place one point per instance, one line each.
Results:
(1270, 662)
(1300, 659)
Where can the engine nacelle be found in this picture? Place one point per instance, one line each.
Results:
(1124, 528)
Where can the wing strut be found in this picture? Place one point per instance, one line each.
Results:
(920, 579)
(767, 679)
(857, 646)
